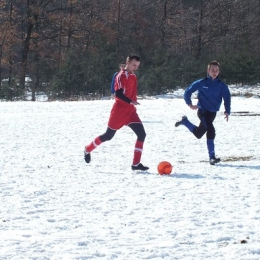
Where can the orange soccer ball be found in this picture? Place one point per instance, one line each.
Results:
(164, 168)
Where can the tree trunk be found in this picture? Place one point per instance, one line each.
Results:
(30, 19)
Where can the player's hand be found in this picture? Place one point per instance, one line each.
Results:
(134, 103)
(193, 107)
(226, 116)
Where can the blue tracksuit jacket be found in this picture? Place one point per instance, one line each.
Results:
(112, 86)
(210, 94)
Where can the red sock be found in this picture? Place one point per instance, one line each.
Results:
(138, 152)
(93, 145)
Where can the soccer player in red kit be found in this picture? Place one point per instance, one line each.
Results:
(124, 113)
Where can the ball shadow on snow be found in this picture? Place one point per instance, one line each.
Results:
(227, 162)
(227, 165)
(188, 176)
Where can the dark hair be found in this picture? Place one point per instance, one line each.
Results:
(132, 57)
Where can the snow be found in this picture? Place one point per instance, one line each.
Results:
(55, 206)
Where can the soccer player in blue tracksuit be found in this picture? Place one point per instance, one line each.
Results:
(211, 91)
(112, 86)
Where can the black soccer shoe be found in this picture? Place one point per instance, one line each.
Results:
(214, 160)
(139, 167)
(87, 157)
(178, 123)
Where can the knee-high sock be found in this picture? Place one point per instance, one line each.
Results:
(93, 145)
(138, 152)
(211, 148)
(189, 125)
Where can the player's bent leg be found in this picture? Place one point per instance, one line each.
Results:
(202, 128)
(108, 135)
(210, 145)
(199, 131)
(90, 147)
(138, 129)
(184, 121)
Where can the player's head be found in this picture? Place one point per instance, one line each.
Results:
(121, 65)
(132, 63)
(213, 69)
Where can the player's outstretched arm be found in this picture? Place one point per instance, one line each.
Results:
(134, 103)
(119, 94)
(226, 116)
(193, 107)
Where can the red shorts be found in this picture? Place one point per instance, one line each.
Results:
(121, 115)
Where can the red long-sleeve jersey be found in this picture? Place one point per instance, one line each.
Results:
(127, 82)
(124, 113)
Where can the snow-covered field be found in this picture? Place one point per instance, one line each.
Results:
(54, 206)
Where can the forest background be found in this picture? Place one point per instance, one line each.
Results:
(70, 49)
